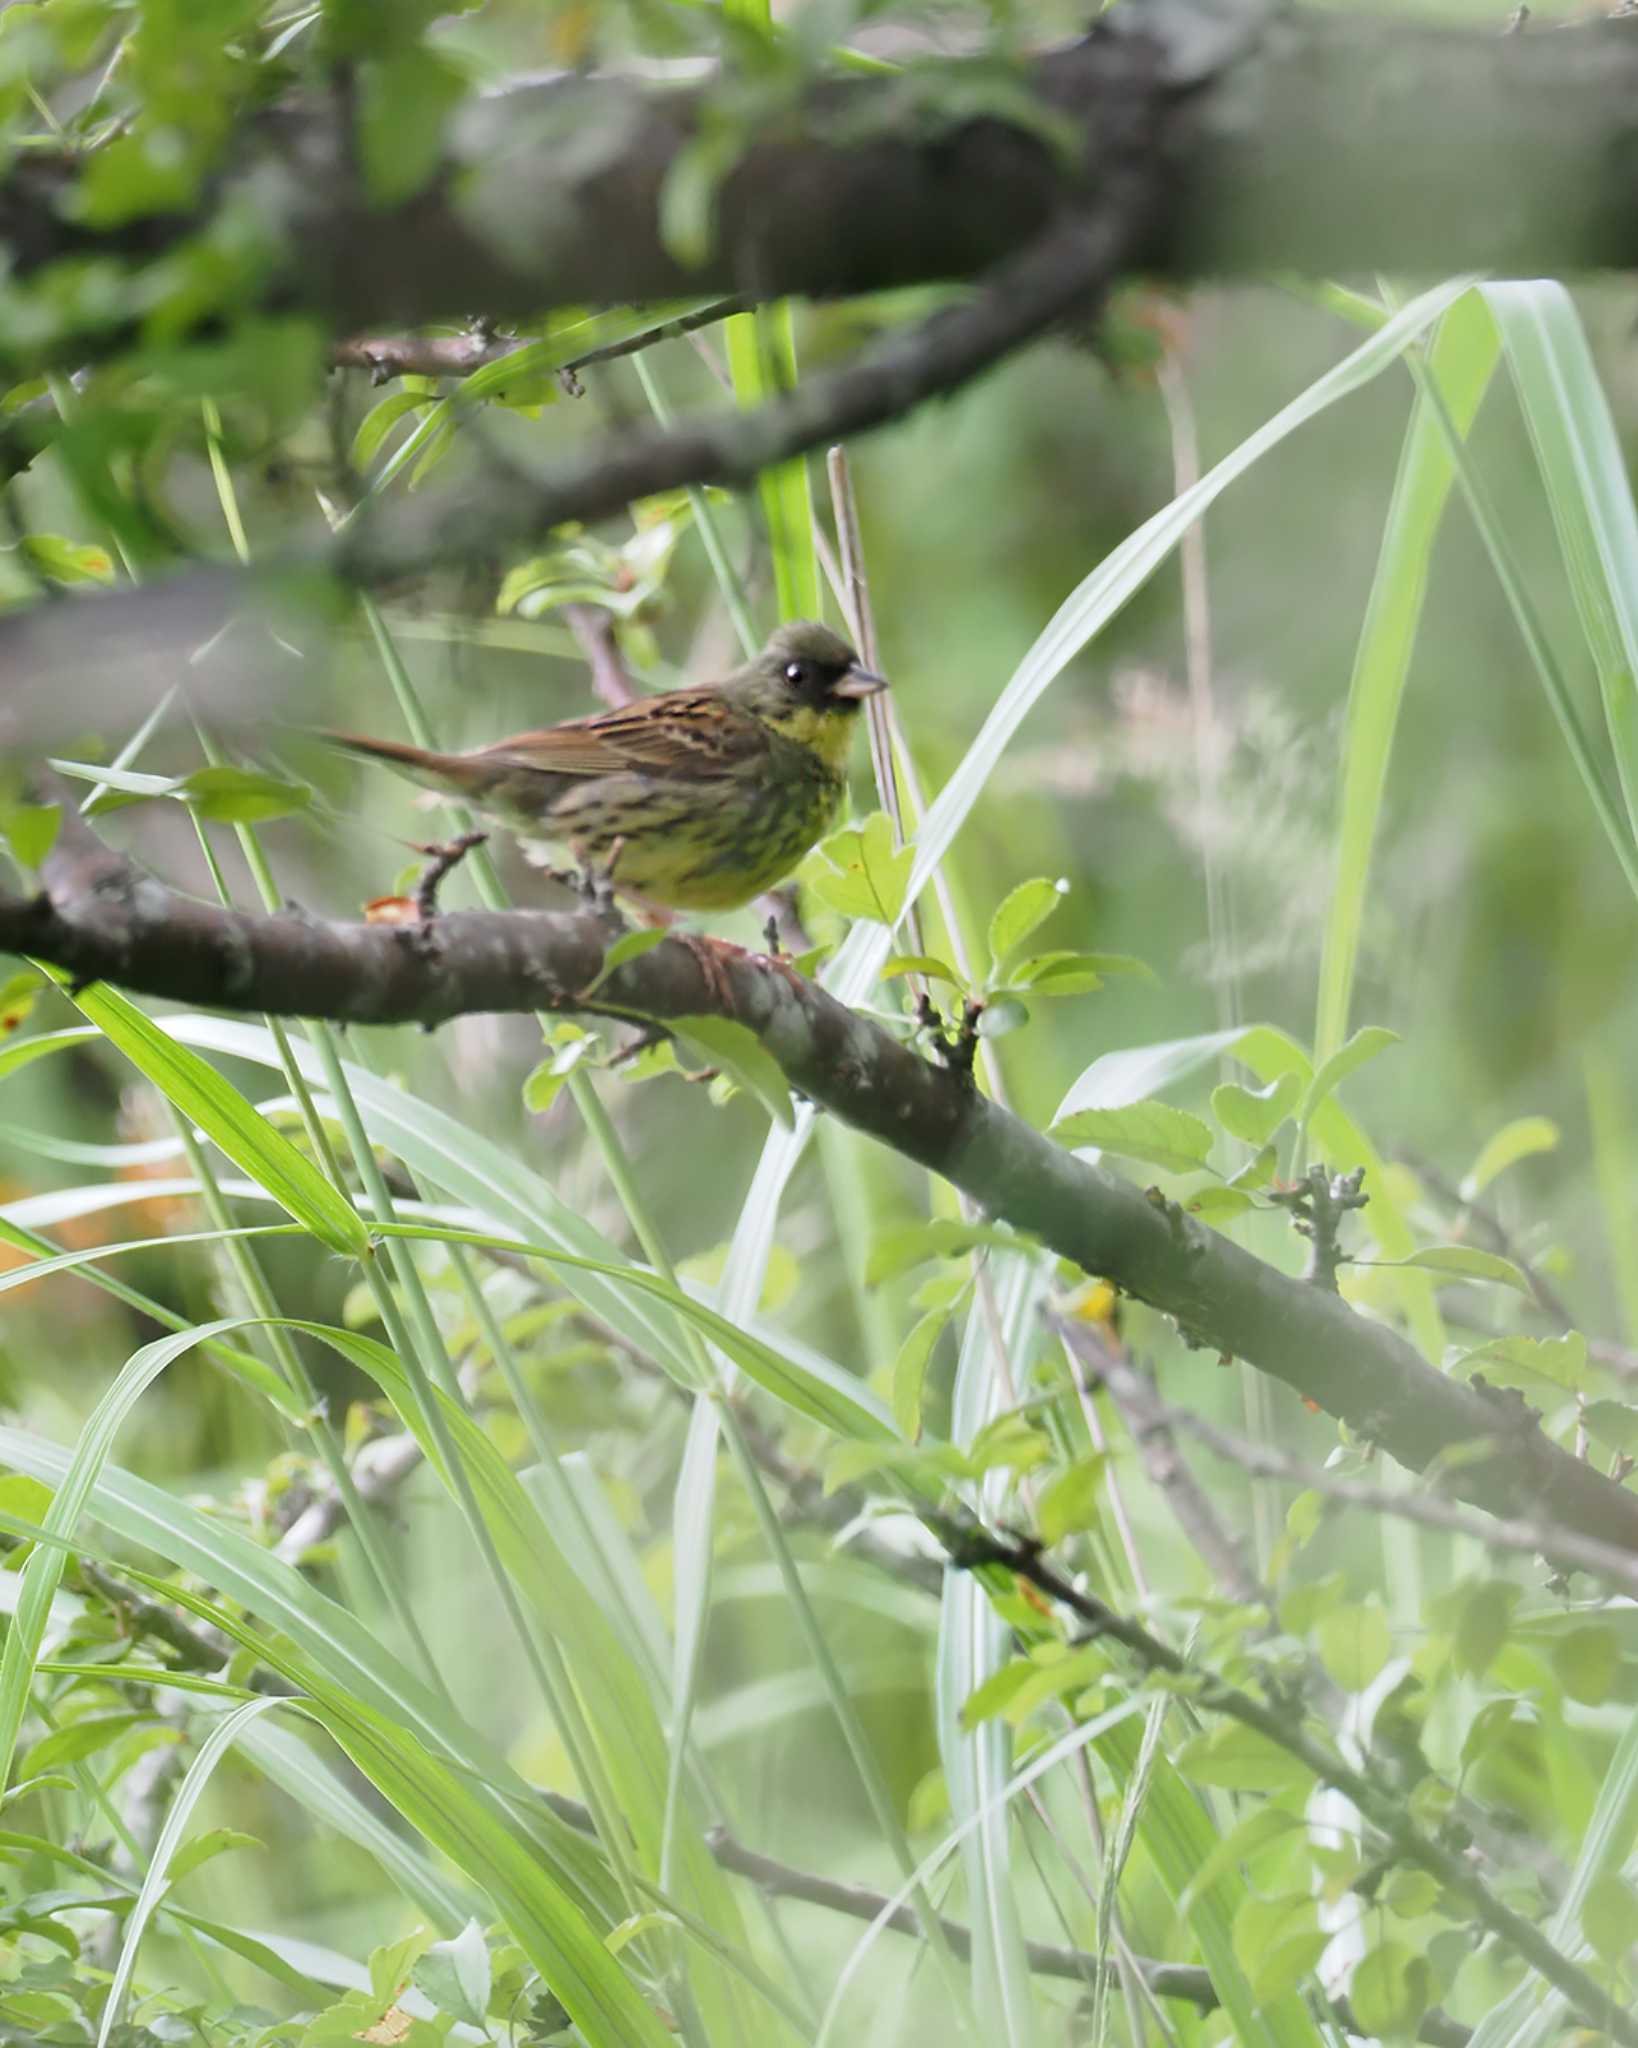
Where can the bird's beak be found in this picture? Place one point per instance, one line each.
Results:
(859, 682)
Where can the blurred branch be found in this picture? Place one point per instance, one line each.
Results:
(98, 917)
(1264, 139)
(1147, 1413)
(593, 627)
(1150, 1428)
(858, 1902)
(1066, 269)
(458, 355)
(974, 1548)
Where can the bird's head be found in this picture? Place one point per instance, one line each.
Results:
(808, 684)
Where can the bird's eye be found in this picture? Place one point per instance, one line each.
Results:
(796, 671)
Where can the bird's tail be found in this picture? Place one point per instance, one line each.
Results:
(457, 772)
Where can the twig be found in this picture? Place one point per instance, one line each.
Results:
(593, 626)
(458, 355)
(972, 1547)
(1318, 1204)
(1133, 1394)
(444, 856)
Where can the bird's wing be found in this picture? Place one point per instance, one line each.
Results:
(683, 733)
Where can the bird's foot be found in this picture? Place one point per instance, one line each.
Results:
(443, 857)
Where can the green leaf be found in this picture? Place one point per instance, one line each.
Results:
(213, 1842)
(241, 796)
(1151, 1131)
(1069, 974)
(1253, 1115)
(67, 561)
(910, 1370)
(1410, 1893)
(944, 1237)
(541, 1085)
(1241, 1759)
(1587, 1662)
(1072, 1499)
(857, 871)
(1020, 913)
(741, 1055)
(1482, 1625)
(1613, 1423)
(629, 946)
(1390, 1990)
(1353, 1643)
(1609, 1918)
(380, 420)
(1465, 1262)
(1001, 1015)
(1278, 1941)
(78, 1740)
(1518, 1140)
(920, 963)
(404, 99)
(455, 1975)
(1527, 1362)
(1462, 359)
(1365, 1044)
(30, 830)
(1218, 1205)
(228, 1120)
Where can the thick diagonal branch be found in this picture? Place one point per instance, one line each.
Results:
(100, 918)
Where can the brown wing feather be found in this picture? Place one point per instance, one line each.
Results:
(679, 733)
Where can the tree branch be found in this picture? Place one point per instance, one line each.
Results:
(100, 918)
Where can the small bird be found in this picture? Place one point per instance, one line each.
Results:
(696, 799)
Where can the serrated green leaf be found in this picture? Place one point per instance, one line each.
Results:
(1527, 1362)
(1020, 913)
(1217, 1205)
(455, 1975)
(1151, 1131)
(858, 872)
(1518, 1140)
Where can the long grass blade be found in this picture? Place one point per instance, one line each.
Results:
(1461, 362)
